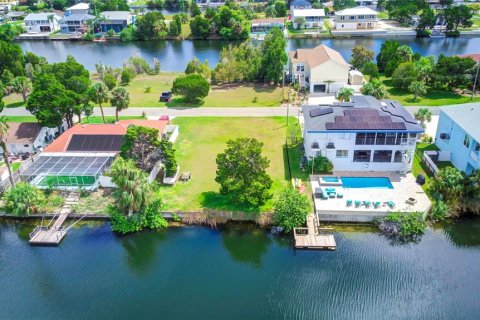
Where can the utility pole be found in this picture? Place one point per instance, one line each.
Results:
(475, 81)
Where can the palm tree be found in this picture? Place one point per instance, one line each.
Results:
(22, 85)
(3, 139)
(423, 115)
(98, 93)
(375, 88)
(120, 100)
(344, 94)
(418, 88)
(133, 188)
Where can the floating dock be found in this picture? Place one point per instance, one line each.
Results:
(313, 237)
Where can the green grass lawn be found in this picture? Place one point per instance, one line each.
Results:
(198, 144)
(21, 119)
(13, 100)
(258, 95)
(383, 15)
(432, 98)
(108, 119)
(16, 166)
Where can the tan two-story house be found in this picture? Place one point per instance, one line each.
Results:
(318, 70)
(358, 18)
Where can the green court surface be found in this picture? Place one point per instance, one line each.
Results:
(60, 181)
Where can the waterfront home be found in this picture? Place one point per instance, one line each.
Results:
(79, 8)
(318, 70)
(115, 20)
(265, 25)
(313, 18)
(80, 156)
(358, 18)
(75, 22)
(47, 22)
(28, 137)
(300, 4)
(458, 133)
(372, 4)
(14, 15)
(363, 135)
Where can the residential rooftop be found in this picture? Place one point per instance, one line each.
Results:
(23, 133)
(316, 56)
(40, 16)
(364, 113)
(78, 17)
(269, 20)
(356, 11)
(308, 12)
(466, 116)
(116, 15)
(79, 6)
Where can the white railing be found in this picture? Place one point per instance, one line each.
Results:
(474, 156)
(156, 169)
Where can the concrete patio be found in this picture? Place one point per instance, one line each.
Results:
(404, 187)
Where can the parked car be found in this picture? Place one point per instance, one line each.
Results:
(166, 96)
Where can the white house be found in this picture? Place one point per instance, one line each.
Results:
(358, 18)
(76, 18)
(313, 18)
(363, 135)
(319, 70)
(28, 137)
(79, 8)
(42, 22)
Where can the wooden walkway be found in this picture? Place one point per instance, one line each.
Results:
(313, 237)
(54, 234)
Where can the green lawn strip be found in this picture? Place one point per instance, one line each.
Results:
(238, 95)
(13, 101)
(108, 119)
(21, 119)
(432, 98)
(15, 166)
(202, 138)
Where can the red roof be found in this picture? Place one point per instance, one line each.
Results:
(61, 143)
(474, 56)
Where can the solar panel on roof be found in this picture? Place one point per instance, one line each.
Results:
(320, 112)
(95, 142)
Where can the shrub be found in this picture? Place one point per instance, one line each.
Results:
(192, 87)
(23, 199)
(320, 164)
(290, 209)
(406, 226)
(127, 76)
(123, 224)
(110, 81)
(439, 211)
(153, 218)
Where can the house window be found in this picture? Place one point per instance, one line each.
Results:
(390, 139)
(361, 17)
(381, 137)
(360, 138)
(26, 145)
(342, 18)
(477, 147)
(370, 138)
(398, 156)
(352, 17)
(342, 154)
(300, 67)
(315, 145)
(466, 141)
(382, 156)
(361, 155)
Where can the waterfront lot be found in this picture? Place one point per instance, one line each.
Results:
(201, 139)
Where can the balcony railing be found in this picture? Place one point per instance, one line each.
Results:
(474, 156)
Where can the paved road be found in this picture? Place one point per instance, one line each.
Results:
(189, 112)
(203, 112)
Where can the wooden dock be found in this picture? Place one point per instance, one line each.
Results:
(313, 237)
(54, 234)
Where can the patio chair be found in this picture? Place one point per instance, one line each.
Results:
(331, 194)
(349, 203)
(367, 203)
(358, 203)
(391, 204)
(324, 195)
(376, 204)
(339, 195)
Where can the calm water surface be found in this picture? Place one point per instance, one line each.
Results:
(239, 273)
(174, 55)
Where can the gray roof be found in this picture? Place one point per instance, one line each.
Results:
(14, 14)
(364, 113)
(297, 3)
(40, 16)
(116, 15)
(78, 17)
(467, 116)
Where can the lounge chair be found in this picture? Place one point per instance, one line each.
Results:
(339, 195)
(349, 203)
(391, 204)
(330, 189)
(357, 203)
(367, 203)
(331, 194)
(324, 195)
(376, 204)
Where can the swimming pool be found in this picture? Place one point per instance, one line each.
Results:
(331, 179)
(367, 182)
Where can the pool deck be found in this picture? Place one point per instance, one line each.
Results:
(404, 187)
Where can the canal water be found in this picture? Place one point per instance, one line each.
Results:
(239, 273)
(175, 54)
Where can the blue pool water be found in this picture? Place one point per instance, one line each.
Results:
(330, 179)
(367, 182)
